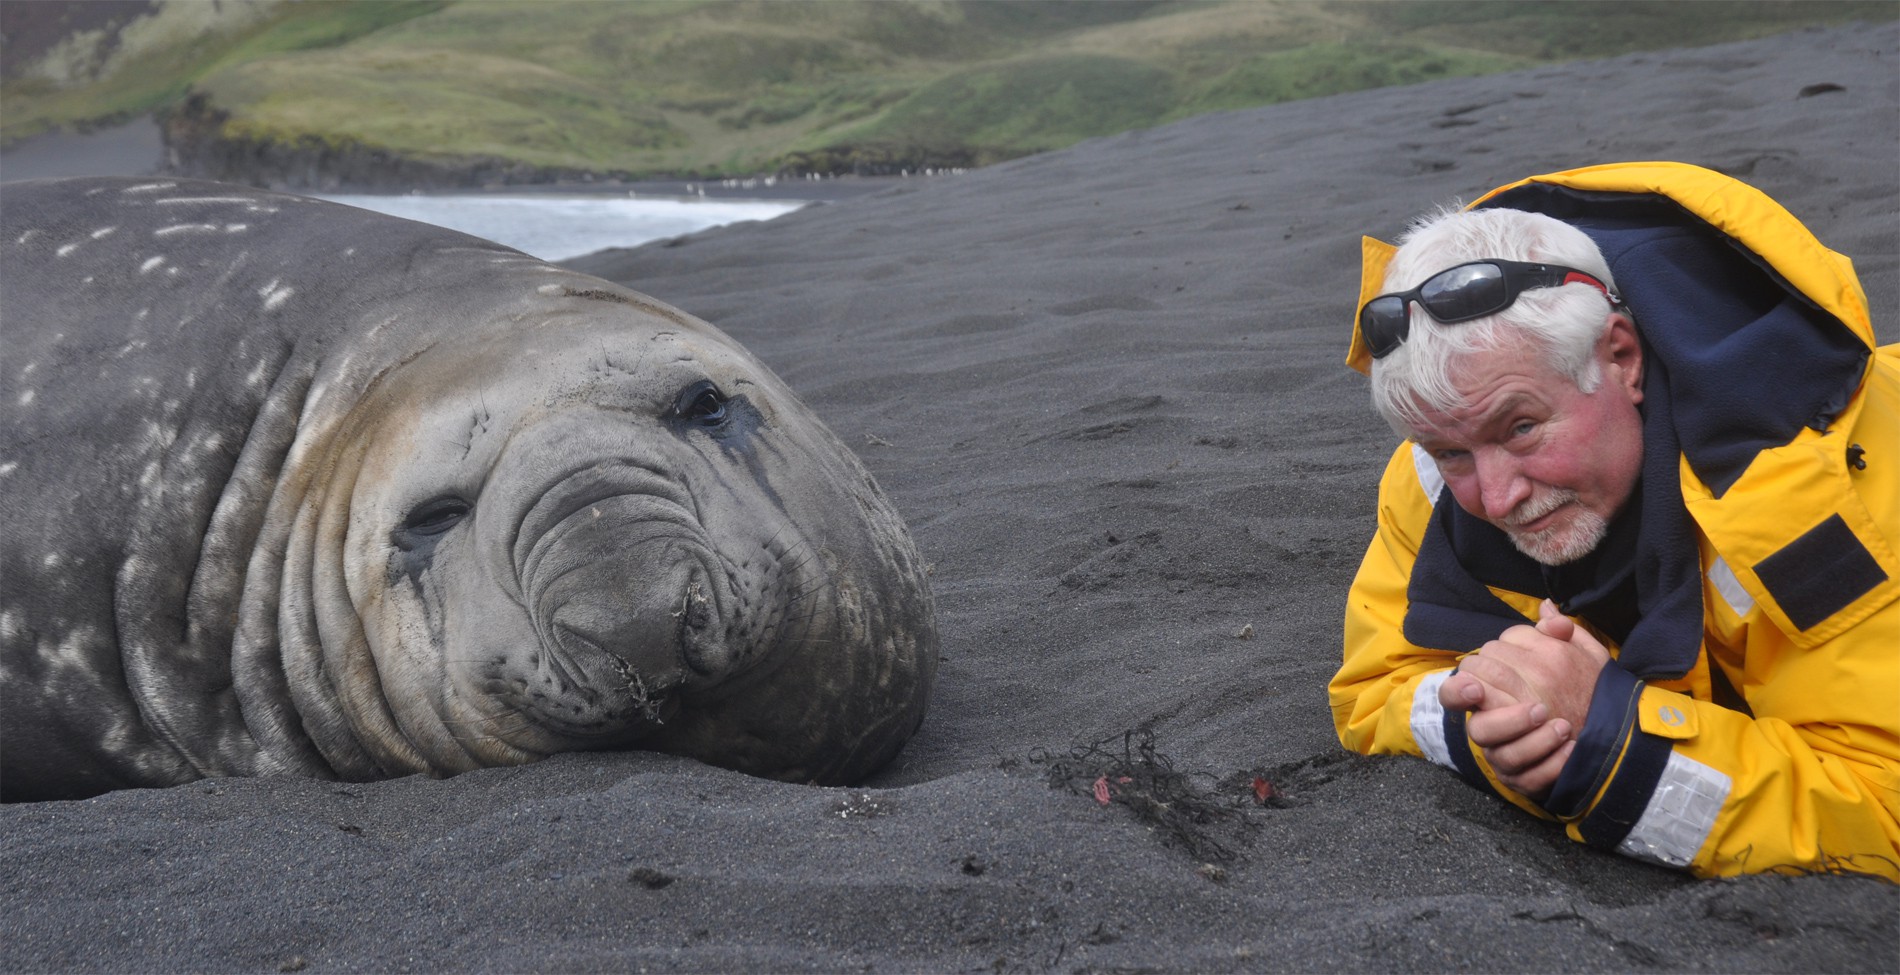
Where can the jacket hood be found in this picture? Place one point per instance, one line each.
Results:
(1763, 329)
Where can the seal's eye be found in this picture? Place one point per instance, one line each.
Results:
(701, 403)
(435, 516)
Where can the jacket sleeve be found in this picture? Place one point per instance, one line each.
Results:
(1810, 781)
(1385, 695)
(1802, 619)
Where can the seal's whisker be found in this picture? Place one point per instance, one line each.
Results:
(789, 564)
(500, 731)
(801, 622)
(817, 586)
(784, 552)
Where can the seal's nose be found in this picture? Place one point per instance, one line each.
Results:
(634, 618)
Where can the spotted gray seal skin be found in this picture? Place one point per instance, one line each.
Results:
(295, 488)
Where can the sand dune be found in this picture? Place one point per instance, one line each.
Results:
(1105, 387)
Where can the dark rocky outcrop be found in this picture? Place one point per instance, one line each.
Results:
(197, 145)
(881, 160)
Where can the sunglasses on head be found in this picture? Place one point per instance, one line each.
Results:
(1462, 293)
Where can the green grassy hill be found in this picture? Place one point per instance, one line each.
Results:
(650, 87)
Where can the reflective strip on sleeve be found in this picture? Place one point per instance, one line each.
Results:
(1680, 814)
(1428, 720)
(1429, 480)
(1730, 588)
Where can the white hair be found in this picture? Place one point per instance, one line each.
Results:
(1563, 322)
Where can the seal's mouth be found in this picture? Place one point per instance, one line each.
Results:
(648, 657)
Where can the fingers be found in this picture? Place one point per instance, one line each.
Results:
(1461, 692)
(1530, 638)
(1526, 748)
(1527, 693)
(1560, 672)
(1592, 648)
(1553, 623)
(1536, 781)
(1501, 725)
(1518, 739)
(1503, 683)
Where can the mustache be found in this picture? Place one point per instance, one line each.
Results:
(1537, 506)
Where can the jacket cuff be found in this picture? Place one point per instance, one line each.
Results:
(1609, 778)
(1599, 742)
(1428, 720)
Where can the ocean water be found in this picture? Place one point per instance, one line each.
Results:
(555, 228)
(549, 226)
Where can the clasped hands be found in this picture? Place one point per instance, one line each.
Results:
(1527, 693)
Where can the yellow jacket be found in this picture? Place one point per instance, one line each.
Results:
(1774, 744)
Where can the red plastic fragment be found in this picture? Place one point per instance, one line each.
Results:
(1101, 790)
(1262, 790)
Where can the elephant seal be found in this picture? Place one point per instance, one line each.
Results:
(295, 488)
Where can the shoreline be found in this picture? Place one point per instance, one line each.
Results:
(136, 148)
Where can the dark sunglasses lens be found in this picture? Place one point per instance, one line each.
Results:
(1466, 292)
(1382, 323)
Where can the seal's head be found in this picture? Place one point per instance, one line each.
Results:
(597, 523)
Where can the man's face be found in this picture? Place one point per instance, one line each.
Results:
(1530, 453)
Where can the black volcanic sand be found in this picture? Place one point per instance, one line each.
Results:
(1105, 386)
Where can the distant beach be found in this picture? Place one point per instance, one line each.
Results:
(137, 148)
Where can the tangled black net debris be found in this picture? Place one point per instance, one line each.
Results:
(1127, 770)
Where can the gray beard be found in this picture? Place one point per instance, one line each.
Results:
(1562, 544)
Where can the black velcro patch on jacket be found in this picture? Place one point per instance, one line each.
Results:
(1820, 573)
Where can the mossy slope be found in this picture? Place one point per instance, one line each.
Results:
(739, 86)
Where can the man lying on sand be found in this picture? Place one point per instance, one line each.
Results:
(1644, 410)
